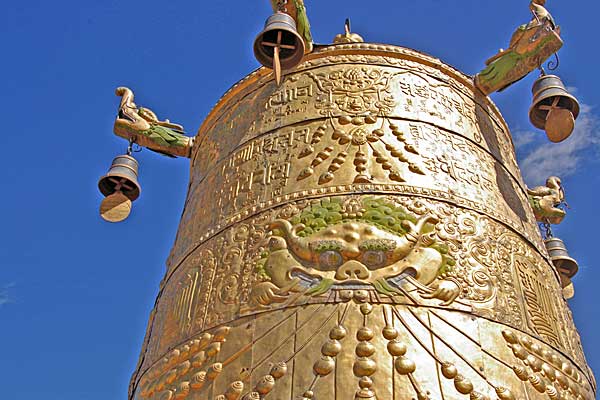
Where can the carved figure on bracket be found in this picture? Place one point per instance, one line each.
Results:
(530, 45)
(545, 201)
(335, 246)
(143, 127)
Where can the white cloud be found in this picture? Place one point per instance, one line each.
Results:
(523, 139)
(5, 296)
(540, 158)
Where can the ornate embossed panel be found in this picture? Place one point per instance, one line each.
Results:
(342, 155)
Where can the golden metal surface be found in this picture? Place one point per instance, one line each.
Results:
(347, 36)
(360, 232)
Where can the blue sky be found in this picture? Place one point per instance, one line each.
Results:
(76, 292)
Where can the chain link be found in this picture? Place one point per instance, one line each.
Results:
(546, 230)
(133, 147)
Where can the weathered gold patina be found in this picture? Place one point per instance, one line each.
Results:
(361, 231)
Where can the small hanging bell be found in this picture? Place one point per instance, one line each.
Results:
(554, 109)
(564, 264)
(279, 45)
(121, 187)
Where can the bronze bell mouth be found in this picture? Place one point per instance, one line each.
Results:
(564, 264)
(121, 177)
(279, 45)
(554, 109)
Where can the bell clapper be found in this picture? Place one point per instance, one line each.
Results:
(276, 62)
(115, 207)
(277, 46)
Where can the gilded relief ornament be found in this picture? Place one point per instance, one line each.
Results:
(289, 263)
(545, 369)
(355, 91)
(360, 136)
(362, 97)
(361, 244)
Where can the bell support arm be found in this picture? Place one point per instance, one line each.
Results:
(530, 46)
(142, 126)
(296, 10)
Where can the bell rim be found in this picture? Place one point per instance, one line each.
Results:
(540, 123)
(569, 272)
(537, 89)
(286, 64)
(133, 194)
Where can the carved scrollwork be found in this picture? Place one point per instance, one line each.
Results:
(355, 91)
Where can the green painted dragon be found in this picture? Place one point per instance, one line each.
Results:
(142, 126)
(531, 44)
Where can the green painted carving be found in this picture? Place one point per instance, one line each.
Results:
(367, 241)
(530, 46)
(141, 125)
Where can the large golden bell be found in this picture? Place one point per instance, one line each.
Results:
(361, 231)
(554, 109)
